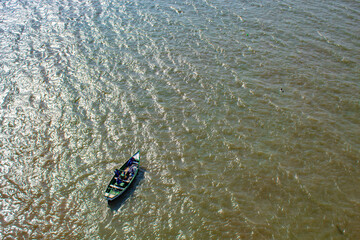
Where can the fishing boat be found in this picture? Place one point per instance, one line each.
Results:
(123, 178)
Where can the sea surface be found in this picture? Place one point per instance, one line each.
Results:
(246, 113)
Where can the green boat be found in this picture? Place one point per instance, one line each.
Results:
(123, 177)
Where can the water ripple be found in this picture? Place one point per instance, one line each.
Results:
(196, 87)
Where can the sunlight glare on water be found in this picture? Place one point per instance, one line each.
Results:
(246, 115)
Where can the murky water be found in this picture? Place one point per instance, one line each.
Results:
(246, 113)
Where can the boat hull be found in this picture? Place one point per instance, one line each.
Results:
(115, 190)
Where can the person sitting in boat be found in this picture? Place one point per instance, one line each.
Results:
(130, 162)
(117, 176)
(117, 173)
(118, 180)
(132, 170)
(125, 175)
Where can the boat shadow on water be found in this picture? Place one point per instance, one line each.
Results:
(118, 202)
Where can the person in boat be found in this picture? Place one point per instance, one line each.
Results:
(130, 162)
(125, 175)
(132, 170)
(117, 173)
(129, 171)
(118, 180)
(118, 176)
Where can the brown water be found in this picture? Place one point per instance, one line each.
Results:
(246, 114)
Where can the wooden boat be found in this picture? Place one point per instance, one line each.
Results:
(123, 177)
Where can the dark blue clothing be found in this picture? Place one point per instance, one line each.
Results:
(118, 180)
(117, 173)
(130, 161)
